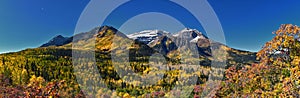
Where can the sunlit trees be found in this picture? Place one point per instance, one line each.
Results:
(277, 74)
(49, 72)
(283, 51)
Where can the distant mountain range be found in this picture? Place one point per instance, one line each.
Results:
(149, 41)
(54, 60)
(58, 41)
(146, 36)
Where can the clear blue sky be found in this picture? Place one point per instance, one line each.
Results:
(247, 24)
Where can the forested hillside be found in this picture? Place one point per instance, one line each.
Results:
(49, 71)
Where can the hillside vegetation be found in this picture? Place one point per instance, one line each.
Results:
(49, 71)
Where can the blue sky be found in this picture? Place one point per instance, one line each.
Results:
(247, 24)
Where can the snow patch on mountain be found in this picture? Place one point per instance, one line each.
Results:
(195, 40)
(147, 36)
(188, 33)
(190, 30)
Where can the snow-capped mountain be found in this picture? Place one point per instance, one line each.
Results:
(188, 36)
(147, 36)
(164, 42)
(157, 41)
(192, 34)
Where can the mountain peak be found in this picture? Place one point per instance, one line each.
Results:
(56, 41)
(188, 33)
(109, 31)
(105, 28)
(59, 36)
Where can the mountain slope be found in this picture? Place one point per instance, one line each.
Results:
(54, 60)
(106, 38)
(58, 41)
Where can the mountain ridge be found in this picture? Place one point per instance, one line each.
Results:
(156, 40)
(151, 34)
(166, 44)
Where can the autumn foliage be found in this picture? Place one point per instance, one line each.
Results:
(276, 75)
(46, 72)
